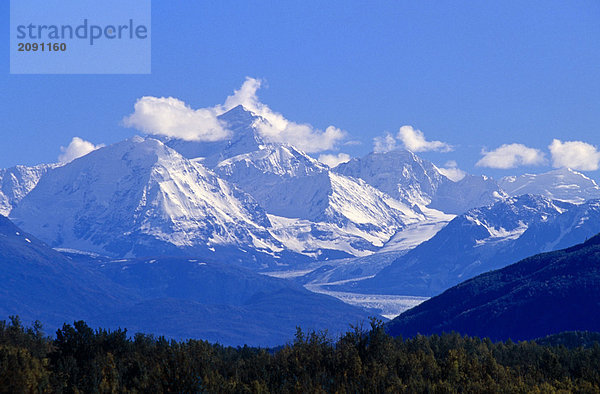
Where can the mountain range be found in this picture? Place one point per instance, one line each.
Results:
(183, 230)
(243, 197)
(409, 178)
(166, 202)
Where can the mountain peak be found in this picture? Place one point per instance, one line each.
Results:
(244, 138)
(238, 117)
(238, 109)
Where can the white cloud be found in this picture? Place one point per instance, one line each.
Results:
(173, 118)
(414, 140)
(276, 128)
(246, 96)
(577, 155)
(452, 171)
(411, 139)
(384, 143)
(511, 156)
(333, 160)
(77, 148)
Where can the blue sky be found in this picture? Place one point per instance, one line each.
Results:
(473, 75)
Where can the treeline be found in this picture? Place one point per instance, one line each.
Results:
(81, 359)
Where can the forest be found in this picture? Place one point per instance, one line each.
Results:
(79, 358)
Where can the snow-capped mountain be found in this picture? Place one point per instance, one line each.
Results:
(140, 196)
(281, 160)
(480, 240)
(560, 184)
(16, 182)
(415, 181)
(314, 211)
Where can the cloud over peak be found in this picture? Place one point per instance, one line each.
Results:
(274, 127)
(246, 96)
(511, 156)
(173, 118)
(414, 140)
(77, 148)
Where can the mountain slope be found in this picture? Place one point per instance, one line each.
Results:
(176, 297)
(538, 296)
(470, 192)
(16, 182)
(40, 283)
(331, 211)
(197, 298)
(280, 160)
(567, 229)
(139, 197)
(399, 173)
(285, 181)
(480, 240)
(561, 184)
